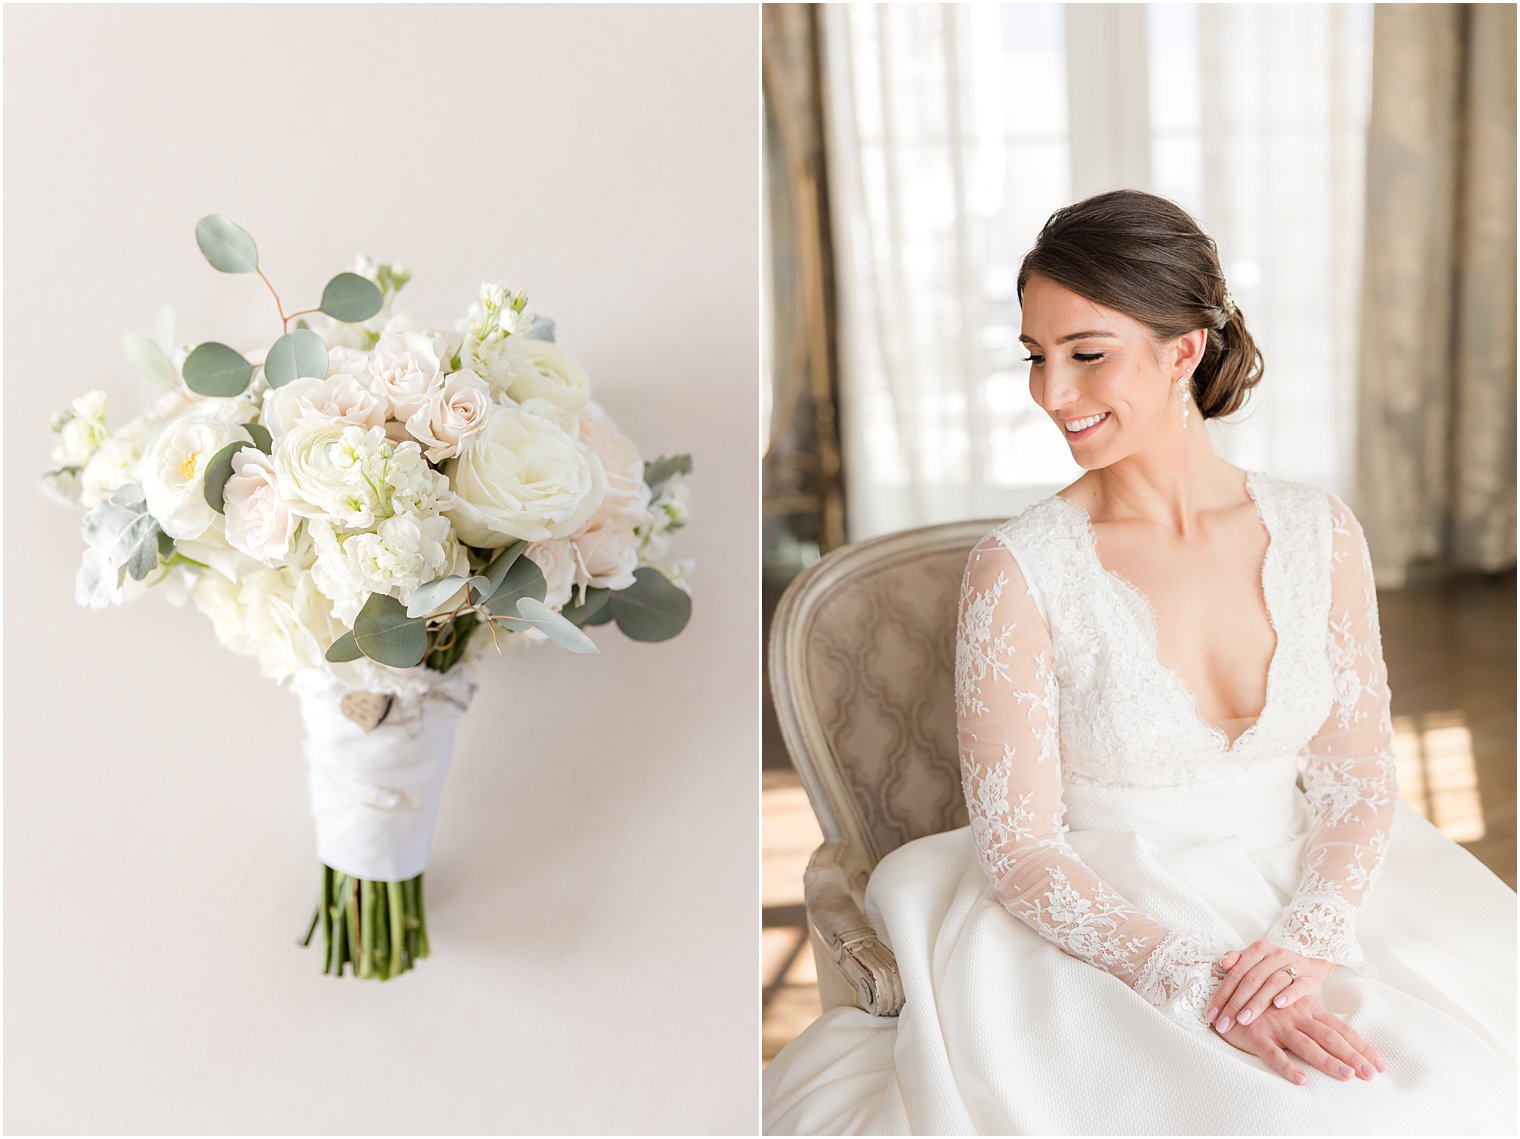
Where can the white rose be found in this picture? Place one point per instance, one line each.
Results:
(211, 548)
(525, 368)
(523, 477)
(173, 469)
(627, 492)
(452, 416)
(259, 519)
(558, 563)
(607, 551)
(287, 621)
(343, 398)
(219, 599)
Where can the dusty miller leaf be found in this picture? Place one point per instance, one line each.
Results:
(121, 538)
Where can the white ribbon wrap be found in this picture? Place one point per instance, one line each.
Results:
(374, 795)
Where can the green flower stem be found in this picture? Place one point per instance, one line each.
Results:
(355, 929)
(422, 938)
(395, 899)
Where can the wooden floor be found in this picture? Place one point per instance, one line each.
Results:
(1450, 648)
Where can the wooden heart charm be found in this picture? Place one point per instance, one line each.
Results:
(366, 709)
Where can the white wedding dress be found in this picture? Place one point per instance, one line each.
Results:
(1058, 953)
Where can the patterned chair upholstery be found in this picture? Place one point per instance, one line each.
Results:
(861, 663)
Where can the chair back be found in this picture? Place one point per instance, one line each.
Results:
(862, 657)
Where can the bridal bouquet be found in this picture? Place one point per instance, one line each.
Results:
(364, 505)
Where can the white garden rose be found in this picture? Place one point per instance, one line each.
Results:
(452, 416)
(258, 517)
(174, 467)
(219, 599)
(211, 549)
(523, 477)
(557, 561)
(342, 398)
(525, 368)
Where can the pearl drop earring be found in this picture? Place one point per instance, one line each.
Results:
(1182, 394)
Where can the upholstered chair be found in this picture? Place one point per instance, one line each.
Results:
(862, 654)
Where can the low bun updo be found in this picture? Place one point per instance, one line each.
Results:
(1145, 256)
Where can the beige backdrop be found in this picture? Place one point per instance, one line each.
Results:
(592, 890)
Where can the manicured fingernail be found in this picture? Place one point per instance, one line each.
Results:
(1245, 1016)
(1299, 1077)
(1382, 1067)
(1346, 1070)
(1367, 1072)
(1211, 1014)
(1223, 1024)
(1280, 1002)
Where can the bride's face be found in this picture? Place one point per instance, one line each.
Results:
(1110, 372)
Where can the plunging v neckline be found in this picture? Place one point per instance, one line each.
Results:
(1221, 738)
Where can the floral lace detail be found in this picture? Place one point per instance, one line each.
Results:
(1181, 976)
(1057, 682)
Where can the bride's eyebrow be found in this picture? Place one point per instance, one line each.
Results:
(1085, 335)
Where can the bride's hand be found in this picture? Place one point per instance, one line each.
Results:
(1255, 976)
(1311, 1033)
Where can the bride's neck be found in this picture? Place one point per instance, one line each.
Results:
(1170, 484)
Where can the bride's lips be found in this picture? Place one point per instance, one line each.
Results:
(1086, 431)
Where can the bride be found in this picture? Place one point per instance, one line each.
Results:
(1189, 899)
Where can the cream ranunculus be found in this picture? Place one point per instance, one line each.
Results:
(452, 416)
(557, 561)
(173, 469)
(259, 519)
(525, 368)
(315, 470)
(523, 477)
(344, 398)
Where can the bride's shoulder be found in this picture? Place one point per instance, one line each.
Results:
(1297, 496)
(1030, 528)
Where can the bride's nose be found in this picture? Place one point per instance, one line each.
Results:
(1053, 390)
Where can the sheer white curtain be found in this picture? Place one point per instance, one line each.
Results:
(955, 131)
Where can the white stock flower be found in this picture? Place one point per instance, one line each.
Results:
(524, 477)
(524, 368)
(83, 430)
(173, 468)
(259, 519)
(342, 398)
(558, 563)
(114, 465)
(453, 416)
(401, 554)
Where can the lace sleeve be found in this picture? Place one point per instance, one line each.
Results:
(1348, 774)
(1007, 713)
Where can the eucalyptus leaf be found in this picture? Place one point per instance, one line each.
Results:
(351, 298)
(595, 602)
(218, 471)
(385, 633)
(213, 369)
(344, 649)
(653, 608)
(261, 437)
(294, 356)
(602, 615)
(524, 579)
(501, 563)
(121, 538)
(662, 470)
(431, 594)
(226, 245)
(554, 626)
(147, 358)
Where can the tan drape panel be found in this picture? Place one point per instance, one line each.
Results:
(1436, 415)
(802, 472)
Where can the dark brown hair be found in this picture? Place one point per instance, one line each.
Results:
(1146, 257)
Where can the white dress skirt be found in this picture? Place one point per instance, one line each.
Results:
(1057, 953)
